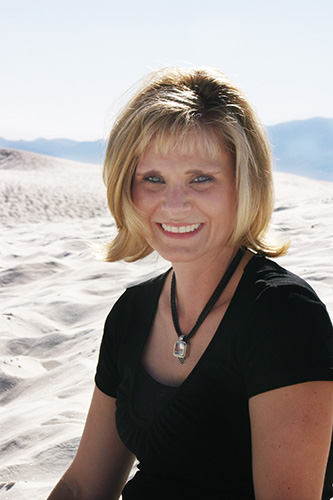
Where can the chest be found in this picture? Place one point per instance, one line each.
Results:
(158, 354)
(210, 402)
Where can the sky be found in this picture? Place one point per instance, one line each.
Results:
(67, 66)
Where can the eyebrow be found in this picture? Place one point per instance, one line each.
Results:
(196, 171)
(208, 169)
(151, 171)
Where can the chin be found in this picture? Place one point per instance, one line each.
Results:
(179, 256)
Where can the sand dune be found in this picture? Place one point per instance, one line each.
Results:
(55, 296)
(36, 188)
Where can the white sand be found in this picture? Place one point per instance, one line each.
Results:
(55, 297)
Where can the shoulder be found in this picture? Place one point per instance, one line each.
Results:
(268, 280)
(127, 323)
(289, 336)
(280, 297)
(150, 283)
(271, 274)
(137, 297)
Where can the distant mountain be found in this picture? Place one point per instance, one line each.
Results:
(86, 152)
(302, 147)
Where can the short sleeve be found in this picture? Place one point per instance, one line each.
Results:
(290, 340)
(107, 373)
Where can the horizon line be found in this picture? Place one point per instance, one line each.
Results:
(59, 138)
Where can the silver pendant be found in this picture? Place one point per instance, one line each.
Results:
(180, 349)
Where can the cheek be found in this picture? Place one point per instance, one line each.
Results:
(142, 203)
(223, 207)
(137, 197)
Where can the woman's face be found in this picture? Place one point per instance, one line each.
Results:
(188, 202)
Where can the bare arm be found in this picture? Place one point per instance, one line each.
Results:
(102, 463)
(291, 436)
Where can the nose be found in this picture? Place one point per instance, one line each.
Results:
(176, 200)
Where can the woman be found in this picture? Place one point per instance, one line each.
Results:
(222, 388)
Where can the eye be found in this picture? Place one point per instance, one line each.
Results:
(202, 179)
(154, 179)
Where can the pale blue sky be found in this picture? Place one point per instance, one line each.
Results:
(65, 64)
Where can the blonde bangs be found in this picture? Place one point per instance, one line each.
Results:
(188, 141)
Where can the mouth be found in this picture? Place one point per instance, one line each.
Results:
(191, 228)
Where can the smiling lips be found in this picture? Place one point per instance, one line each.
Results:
(180, 229)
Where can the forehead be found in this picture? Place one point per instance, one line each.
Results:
(193, 153)
(203, 145)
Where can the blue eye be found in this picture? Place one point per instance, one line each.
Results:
(202, 178)
(154, 179)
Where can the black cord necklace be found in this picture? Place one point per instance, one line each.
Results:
(181, 347)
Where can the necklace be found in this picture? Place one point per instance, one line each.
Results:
(181, 346)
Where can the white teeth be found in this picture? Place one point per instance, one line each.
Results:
(180, 229)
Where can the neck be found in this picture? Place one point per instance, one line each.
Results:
(196, 283)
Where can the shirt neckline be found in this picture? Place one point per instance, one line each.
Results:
(178, 389)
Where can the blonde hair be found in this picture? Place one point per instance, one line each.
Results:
(172, 105)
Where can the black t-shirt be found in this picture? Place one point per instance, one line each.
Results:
(276, 332)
